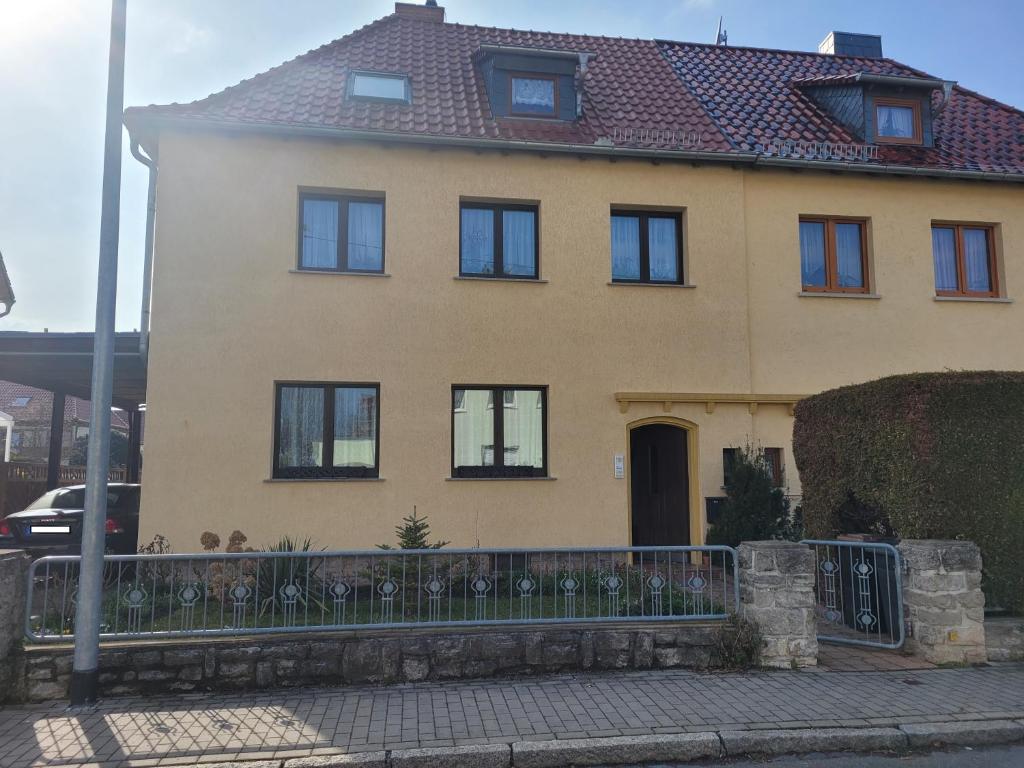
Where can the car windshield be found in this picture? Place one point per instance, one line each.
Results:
(74, 498)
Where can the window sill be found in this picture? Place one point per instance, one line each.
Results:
(338, 272)
(500, 279)
(638, 284)
(491, 479)
(983, 299)
(837, 295)
(324, 480)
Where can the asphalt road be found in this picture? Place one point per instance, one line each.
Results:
(989, 757)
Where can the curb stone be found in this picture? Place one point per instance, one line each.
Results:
(964, 733)
(783, 742)
(470, 756)
(614, 750)
(362, 759)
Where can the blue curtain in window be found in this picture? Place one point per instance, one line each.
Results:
(944, 256)
(477, 241)
(625, 248)
(366, 236)
(812, 253)
(976, 261)
(663, 249)
(519, 239)
(849, 263)
(320, 234)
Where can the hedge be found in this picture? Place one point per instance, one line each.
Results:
(927, 455)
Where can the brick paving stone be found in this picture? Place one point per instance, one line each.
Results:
(191, 730)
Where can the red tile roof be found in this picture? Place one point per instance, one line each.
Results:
(733, 97)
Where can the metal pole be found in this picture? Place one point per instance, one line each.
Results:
(90, 585)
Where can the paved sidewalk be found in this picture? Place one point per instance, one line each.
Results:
(197, 728)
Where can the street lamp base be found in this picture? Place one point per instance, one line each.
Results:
(83, 687)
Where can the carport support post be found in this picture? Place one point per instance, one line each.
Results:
(56, 440)
(90, 580)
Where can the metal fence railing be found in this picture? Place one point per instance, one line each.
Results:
(210, 594)
(859, 589)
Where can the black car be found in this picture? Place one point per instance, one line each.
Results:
(52, 524)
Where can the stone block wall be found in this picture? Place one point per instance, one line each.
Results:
(349, 658)
(13, 572)
(777, 594)
(1004, 639)
(943, 600)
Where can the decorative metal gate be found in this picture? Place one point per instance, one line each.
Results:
(859, 587)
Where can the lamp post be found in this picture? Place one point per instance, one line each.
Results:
(90, 581)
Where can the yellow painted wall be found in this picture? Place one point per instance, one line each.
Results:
(230, 318)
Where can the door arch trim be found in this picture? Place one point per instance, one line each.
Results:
(697, 521)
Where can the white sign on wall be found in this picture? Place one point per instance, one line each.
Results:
(620, 466)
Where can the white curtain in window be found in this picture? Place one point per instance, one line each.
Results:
(532, 92)
(477, 241)
(524, 430)
(812, 253)
(976, 261)
(519, 239)
(355, 426)
(663, 249)
(320, 234)
(301, 430)
(366, 236)
(944, 256)
(474, 428)
(896, 121)
(848, 256)
(625, 248)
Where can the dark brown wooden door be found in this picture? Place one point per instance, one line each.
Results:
(660, 486)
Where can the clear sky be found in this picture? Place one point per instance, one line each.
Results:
(53, 58)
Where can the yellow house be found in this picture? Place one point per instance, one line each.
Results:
(537, 286)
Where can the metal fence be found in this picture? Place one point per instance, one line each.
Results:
(210, 594)
(859, 589)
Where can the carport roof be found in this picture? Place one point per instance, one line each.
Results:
(63, 361)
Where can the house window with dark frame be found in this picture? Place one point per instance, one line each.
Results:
(772, 461)
(646, 247)
(898, 121)
(379, 86)
(506, 442)
(341, 233)
(833, 255)
(532, 95)
(498, 240)
(326, 430)
(965, 260)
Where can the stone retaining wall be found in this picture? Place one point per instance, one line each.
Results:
(1004, 638)
(361, 657)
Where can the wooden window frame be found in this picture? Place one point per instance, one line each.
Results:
(958, 228)
(327, 457)
(913, 104)
(645, 247)
(832, 258)
(777, 470)
(498, 209)
(533, 76)
(499, 470)
(343, 201)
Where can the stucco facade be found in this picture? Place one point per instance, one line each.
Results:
(232, 316)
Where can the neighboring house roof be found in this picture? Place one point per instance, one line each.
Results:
(28, 405)
(6, 291)
(734, 97)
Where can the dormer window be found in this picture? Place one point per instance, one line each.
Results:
(379, 86)
(898, 121)
(532, 95)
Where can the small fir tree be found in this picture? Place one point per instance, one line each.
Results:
(414, 533)
(754, 509)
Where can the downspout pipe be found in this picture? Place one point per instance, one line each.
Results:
(147, 264)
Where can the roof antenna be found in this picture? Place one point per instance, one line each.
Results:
(721, 37)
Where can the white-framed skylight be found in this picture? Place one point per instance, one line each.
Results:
(379, 86)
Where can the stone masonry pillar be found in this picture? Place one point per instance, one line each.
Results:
(13, 571)
(777, 594)
(943, 600)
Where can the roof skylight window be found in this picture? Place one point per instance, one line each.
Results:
(20, 402)
(379, 86)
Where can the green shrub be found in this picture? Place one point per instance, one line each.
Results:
(754, 508)
(414, 533)
(930, 455)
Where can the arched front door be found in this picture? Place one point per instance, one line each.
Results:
(659, 484)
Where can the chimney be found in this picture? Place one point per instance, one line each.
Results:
(431, 11)
(852, 44)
